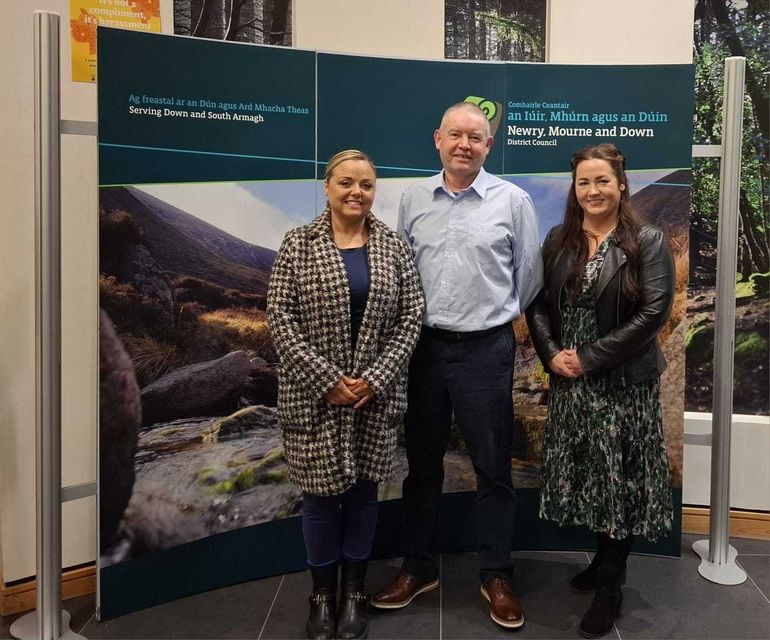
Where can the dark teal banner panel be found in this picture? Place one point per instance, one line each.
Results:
(390, 108)
(185, 110)
(553, 110)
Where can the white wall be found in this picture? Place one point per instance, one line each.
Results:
(79, 297)
(749, 462)
(621, 31)
(584, 31)
(398, 28)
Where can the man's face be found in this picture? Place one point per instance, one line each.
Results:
(463, 143)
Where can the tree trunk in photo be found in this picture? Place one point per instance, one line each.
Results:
(505, 9)
(200, 15)
(753, 88)
(182, 17)
(234, 22)
(454, 37)
(483, 29)
(210, 21)
(462, 31)
(744, 259)
(757, 252)
(278, 22)
(473, 50)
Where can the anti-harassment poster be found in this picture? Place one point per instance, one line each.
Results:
(208, 153)
(86, 15)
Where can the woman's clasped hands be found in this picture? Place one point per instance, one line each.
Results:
(567, 364)
(348, 391)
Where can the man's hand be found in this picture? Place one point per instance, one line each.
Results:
(360, 388)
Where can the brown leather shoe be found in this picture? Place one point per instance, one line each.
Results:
(401, 591)
(504, 608)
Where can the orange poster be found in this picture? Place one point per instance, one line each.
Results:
(86, 15)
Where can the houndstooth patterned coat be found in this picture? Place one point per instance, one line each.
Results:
(308, 306)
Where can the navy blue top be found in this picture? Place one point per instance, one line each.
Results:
(357, 267)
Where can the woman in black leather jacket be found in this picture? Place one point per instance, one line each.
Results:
(609, 286)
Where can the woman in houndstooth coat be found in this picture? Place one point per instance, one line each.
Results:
(345, 307)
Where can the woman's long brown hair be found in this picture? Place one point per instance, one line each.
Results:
(572, 238)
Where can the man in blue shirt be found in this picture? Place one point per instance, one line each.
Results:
(476, 246)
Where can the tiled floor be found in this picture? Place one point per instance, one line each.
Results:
(664, 598)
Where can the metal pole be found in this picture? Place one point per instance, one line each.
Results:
(48, 323)
(48, 622)
(718, 556)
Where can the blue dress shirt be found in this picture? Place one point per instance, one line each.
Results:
(477, 251)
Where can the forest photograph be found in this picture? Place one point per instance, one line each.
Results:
(256, 21)
(730, 28)
(508, 30)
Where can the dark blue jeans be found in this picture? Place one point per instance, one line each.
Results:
(474, 379)
(340, 527)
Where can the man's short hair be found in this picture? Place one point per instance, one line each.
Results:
(465, 106)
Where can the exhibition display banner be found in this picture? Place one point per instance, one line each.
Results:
(206, 159)
(208, 153)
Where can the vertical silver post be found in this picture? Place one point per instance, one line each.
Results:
(718, 557)
(724, 322)
(47, 622)
(48, 323)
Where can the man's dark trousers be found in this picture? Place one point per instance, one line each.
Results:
(472, 375)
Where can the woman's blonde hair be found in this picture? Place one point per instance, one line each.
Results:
(343, 156)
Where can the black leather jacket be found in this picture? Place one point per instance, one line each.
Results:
(627, 347)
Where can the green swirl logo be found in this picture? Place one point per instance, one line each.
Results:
(491, 109)
(487, 106)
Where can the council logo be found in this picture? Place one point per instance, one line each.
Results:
(492, 110)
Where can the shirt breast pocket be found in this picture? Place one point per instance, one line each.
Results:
(492, 244)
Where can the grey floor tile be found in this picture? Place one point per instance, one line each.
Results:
(664, 598)
(238, 611)
(541, 583)
(745, 545)
(463, 614)
(289, 611)
(667, 598)
(552, 610)
(81, 610)
(742, 545)
(758, 568)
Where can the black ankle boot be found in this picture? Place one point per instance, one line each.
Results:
(605, 609)
(322, 620)
(585, 581)
(601, 615)
(352, 618)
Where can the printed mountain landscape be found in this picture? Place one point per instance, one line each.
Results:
(184, 245)
(184, 342)
(191, 444)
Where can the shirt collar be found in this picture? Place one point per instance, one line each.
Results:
(479, 185)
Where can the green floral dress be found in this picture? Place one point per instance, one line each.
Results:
(605, 464)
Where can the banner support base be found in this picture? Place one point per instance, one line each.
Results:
(25, 628)
(728, 573)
